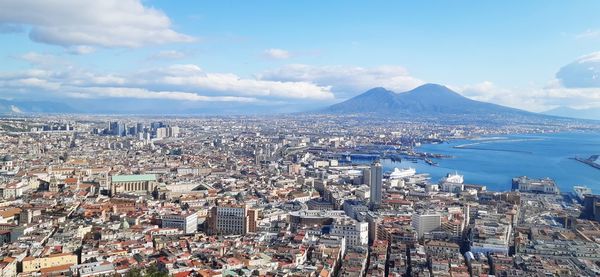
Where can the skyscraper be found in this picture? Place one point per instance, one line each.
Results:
(367, 176)
(113, 127)
(173, 131)
(140, 127)
(117, 128)
(156, 125)
(376, 184)
(132, 131)
(161, 133)
(122, 130)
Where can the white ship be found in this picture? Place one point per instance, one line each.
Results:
(453, 178)
(402, 173)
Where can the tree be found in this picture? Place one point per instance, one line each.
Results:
(134, 272)
(151, 271)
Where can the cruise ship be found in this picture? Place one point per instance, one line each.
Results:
(402, 173)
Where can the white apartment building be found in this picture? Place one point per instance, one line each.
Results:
(425, 223)
(356, 233)
(187, 222)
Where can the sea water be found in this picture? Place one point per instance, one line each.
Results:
(494, 161)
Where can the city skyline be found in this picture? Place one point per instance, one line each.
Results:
(299, 138)
(286, 57)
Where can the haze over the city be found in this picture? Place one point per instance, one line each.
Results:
(132, 56)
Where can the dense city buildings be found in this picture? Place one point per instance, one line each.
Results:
(229, 196)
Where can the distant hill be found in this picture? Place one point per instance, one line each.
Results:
(23, 107)
(575, 113)
(429, 100)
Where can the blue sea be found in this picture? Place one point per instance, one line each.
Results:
(494, 161)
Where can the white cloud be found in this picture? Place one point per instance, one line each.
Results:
(588, 34)
(38, 83)
(346, 81)
(565, 96)
(530, 99)
(43, 65)
(193, 77)
(176, 82)
(582, 73)
(593, 57)
(536, 98)
(106, 23)
(28, 83)
(278, 54)
(40, 59)
(141, 93)
(80, 50)
(169, 54)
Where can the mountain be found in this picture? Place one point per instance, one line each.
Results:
(20, 107)
(591, 113)
(429, 100)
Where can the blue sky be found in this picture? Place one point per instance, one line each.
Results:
(300, 53)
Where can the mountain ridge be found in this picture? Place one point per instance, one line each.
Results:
(589, 113)
(425, 100)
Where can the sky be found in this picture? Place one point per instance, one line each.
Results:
(297, 55)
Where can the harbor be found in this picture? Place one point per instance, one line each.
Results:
(593, 161)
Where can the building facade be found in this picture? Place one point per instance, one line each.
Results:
(32, 264)
(376, 185)
(145, 183)
(232, 220)
(425, 223)
(356, 233)
(187, 222)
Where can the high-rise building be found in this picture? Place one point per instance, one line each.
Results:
(425, 223)
(367, 176)
(173, 131)
(132, 131)
(116, 128)
(113, 127)
(252, 219)
(232, 220)
(161, 133)
(140, 127)
(376, 184)
(156, 125)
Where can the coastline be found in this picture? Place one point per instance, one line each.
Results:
(495, 166)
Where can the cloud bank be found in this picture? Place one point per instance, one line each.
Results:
(175, 82)
(106, 23)
(346, 81)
